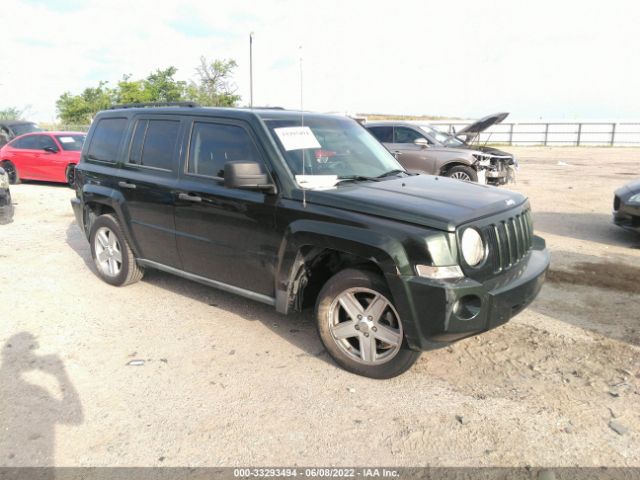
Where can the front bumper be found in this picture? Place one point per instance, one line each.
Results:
(626, 215)
(445, 312)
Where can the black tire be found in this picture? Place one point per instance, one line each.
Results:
(353, 280)
(129, 271)
(461, 170)
(70, 175)
(12, 172)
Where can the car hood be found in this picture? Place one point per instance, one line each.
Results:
(629, 189)
(426, 200)
(471, 131)
(484, 149)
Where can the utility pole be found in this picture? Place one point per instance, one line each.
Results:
(251, 69)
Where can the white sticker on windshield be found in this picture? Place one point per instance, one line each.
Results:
(297, 138)
(66, 139)
(316, 182)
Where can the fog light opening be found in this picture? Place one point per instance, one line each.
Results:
(468, 307)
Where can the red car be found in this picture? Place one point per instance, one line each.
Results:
(47, 156)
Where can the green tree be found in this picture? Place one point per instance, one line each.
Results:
(11, 113)
(214, 86)
(131, 91)
(80, 109)
(162, 87)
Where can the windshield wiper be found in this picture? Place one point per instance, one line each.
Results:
(391, 173)
(357, 178)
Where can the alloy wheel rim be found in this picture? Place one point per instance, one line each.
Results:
(365, 326)
(108, 252)
(461, 176)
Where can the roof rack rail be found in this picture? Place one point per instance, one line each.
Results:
(264, 108)
(155, 104)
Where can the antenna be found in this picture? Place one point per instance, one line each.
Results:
(304, 160)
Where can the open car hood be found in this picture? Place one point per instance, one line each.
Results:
(470, 132)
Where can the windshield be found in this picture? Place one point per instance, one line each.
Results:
(71, 142)
(331, 146)
(442, 137)
(22, 128)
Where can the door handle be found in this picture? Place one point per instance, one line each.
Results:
(397, 153)
(189, 198)
(127, 185)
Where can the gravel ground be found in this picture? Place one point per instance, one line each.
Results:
(225, 381)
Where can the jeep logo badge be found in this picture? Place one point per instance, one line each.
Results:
(510, 202)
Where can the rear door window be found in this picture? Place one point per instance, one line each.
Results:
(383, 134)
(106, 139)
(154, 144)
(213, 144)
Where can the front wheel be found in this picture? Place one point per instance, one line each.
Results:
(360, 327)
(460, 172)
(111, 253)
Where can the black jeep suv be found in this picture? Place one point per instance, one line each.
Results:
(295, 209)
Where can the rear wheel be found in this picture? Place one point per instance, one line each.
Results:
(460, 172)
(12, 172)
(111, 253)
(360, 327)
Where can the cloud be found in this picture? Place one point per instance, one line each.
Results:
(548, 58)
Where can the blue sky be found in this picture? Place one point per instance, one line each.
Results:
(544, 59)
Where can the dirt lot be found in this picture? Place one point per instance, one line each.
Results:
(229, 382)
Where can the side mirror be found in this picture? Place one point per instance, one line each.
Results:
(50, 149)
(421, 142)
(246, 175)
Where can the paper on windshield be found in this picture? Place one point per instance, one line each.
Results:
(316, 182)
(66, 139)
(297, 138)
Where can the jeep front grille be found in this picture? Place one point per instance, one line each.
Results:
(509, 240)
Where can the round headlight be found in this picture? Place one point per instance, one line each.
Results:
(634, 198)
(472, 247)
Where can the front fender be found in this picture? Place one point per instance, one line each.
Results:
(386, 252)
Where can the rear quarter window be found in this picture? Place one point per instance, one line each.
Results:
(106, 139)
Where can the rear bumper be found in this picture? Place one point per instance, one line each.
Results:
(76, 204)
(5, 197)
(446, 312)
(6, 207)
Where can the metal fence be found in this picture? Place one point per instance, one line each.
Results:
(619, 134)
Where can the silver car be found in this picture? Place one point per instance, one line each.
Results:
(422, 148)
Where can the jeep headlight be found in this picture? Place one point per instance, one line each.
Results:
(4, 180)
(634, 199)
(472, 247)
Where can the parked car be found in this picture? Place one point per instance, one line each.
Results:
(298, 209)
(47, 156)
(10, 129)
(422, 148)
(626, 206)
